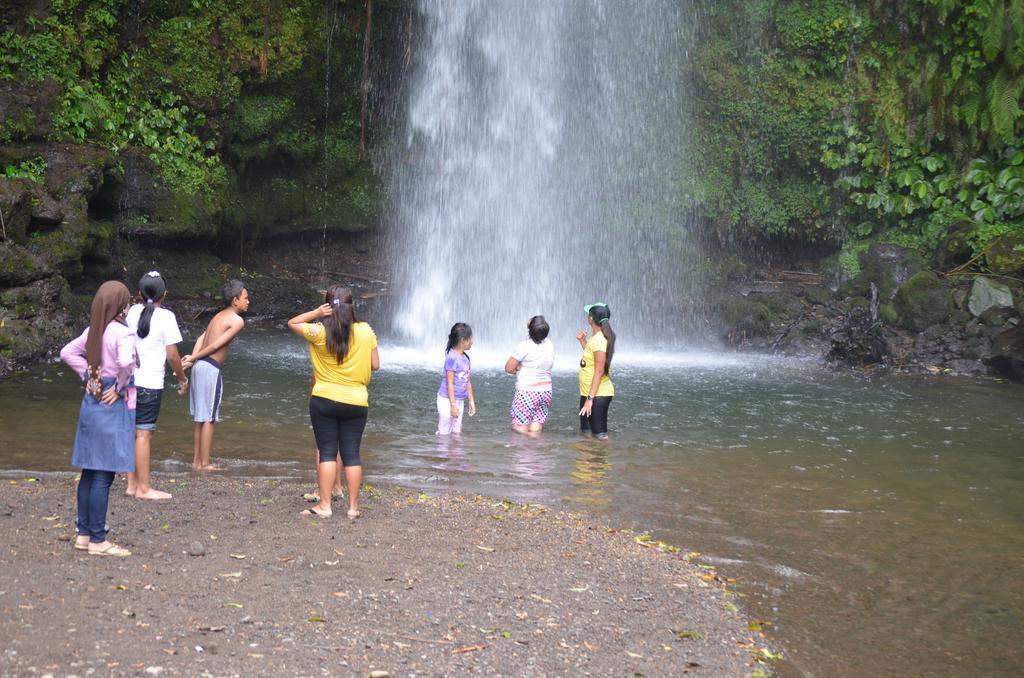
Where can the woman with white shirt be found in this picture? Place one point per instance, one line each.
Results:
(531, 362)
(158, 336)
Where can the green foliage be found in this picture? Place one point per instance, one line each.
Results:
(31, 169)
(885, 121)
(200, 84)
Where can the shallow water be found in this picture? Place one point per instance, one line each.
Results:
(877, 523)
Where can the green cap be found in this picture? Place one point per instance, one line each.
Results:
(597, 304)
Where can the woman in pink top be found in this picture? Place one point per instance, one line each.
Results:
(104, 356)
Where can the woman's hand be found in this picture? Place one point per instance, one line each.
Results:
(109, 396)
(455, 411)
(186, 362)
(324, 310)
(581, 337)
(472, 408)
(588, 406)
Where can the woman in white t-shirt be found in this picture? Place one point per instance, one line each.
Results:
(531, 362)
(157, 335)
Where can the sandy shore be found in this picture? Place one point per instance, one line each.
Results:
(418, 586)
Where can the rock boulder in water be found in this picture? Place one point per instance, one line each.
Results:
(986, 294)
(1008, 353)
(922, 301)
(888, 267)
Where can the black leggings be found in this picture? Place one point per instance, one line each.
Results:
(597, 422)
(337, 426)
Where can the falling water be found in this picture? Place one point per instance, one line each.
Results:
(538, 171)
(331, 12)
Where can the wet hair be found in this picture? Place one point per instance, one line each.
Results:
(338, 325)
(538, 329)
(600, 314)
(458, 333)
(232, 290)
(152, 289)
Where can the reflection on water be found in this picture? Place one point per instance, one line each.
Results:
(588, 474)
(876, 522)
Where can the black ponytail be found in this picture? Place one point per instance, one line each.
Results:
(609, 334)
(601, 314)
(458, 332)
(339, 324)
(152, 289)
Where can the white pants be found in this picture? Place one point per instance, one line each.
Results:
(446, 423)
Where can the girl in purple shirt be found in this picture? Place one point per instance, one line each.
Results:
(104, 357)
(455, 387)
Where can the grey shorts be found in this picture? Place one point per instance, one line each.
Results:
(205, 391)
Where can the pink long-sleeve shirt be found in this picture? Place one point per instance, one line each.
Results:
(118, 354)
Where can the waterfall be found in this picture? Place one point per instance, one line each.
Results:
(537, 171)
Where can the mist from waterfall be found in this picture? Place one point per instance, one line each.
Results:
(537, 172)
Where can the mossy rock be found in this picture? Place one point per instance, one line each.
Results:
(851, 303)
(888, 314)
(19, 265)
(922, 301)
(1005, 255)
(955, 246)
(747, 317)
(887, 266)
(817, 295)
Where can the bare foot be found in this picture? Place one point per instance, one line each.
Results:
(153, 494)
(208, 467)
(354, 513)
(130, 492)
(317, 511)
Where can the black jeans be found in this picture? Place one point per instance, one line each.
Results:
(93, 494)
(597, 422)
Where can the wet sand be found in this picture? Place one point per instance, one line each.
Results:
(418, 586)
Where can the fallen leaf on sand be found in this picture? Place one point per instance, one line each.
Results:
(634, 655)
(340, 594)
(488, 549)
(468, 648)
(237, 556)
(316, 619)
(233, 605)
(581, 589)
(233, 575)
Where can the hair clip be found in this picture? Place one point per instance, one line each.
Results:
(148, 300)
(336, 302)
(153, 274)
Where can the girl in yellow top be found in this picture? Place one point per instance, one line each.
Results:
(344, 353)
(596, 388)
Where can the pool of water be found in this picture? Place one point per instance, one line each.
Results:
(878, 523)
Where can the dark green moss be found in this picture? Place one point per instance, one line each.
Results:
(922, 301)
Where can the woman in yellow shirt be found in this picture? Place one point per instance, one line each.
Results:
(344, 354)
(596, 388)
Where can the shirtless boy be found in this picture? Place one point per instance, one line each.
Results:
(207, 357)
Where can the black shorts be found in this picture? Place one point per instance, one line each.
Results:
(147, 407)
(337, 427)
(597, 422)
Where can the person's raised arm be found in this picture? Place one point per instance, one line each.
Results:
(512, 365)
(296, 323)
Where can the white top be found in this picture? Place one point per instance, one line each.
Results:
(163, 332)
(535, 362)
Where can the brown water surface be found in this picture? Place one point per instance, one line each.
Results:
(877, 523)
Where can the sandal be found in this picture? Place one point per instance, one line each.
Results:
(110, 550)
(311, 511)
(82, 545)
